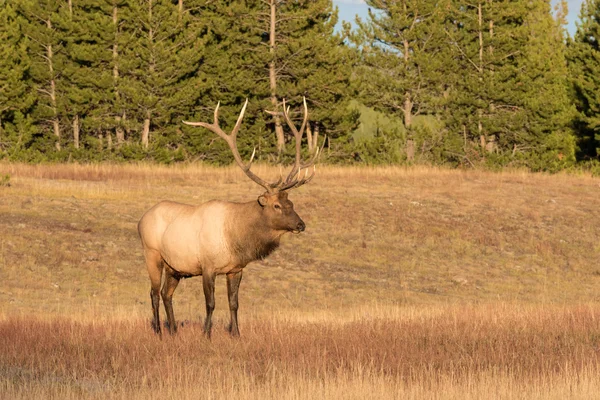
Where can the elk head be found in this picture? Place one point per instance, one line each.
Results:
(274, 201)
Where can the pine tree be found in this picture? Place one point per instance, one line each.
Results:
(16, 98)
(482, 103)
(549, 113)
(158, 77)
(507, 54)
(244, 63)
(402, 72)
(584, 65)
(313, 61)
(47, 64)
(304, 57)
(228, 75)
(88, 32)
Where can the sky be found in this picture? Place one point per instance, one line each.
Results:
(350, 8)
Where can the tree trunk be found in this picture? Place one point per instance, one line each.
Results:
(76, 131)
(492, 107)
(480, 23)
(408, 105)
(312, 138)
(273, 79)
(491, 146)
(480, 112)
(146, 131)
(315, 144)
(309, 138)
(115, 54)
(119, 131)
(410, 150)
(53, 107)
(410, 143)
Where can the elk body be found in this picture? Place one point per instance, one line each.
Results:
(219, 237)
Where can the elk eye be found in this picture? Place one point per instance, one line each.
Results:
(277, 207)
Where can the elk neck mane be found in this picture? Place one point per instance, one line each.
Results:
(248, 234)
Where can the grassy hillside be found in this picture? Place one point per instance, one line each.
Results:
(468, 254)
(68, 237)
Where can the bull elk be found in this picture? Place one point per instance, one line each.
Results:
(220, 237)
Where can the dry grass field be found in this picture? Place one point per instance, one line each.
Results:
(408, 283)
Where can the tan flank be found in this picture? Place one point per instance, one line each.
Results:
(219, 237)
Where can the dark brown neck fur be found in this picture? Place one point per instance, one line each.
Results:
(248, 235)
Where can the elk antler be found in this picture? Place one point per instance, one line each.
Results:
(231, 141)
(293, 179)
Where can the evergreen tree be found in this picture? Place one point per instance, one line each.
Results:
(506, 54)
(584, 65)
(307, 58)
(47, 66)
(547, 134)
(89, 101)
(16, 98)
(313, 61)
(158, 77)
(228, 75)
(248, 59)
(483, 103)
(403, 63)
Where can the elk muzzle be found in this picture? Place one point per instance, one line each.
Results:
(300, 227)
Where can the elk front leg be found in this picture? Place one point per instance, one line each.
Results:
(208, 283)
(233, 285)
(169, 286)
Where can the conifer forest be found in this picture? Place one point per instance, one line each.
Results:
(484, 83)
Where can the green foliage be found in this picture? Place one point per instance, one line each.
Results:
(451, 82)
(404, 73)
(372, 122)
(583, 52)
(590, 166)
(507, 92)
(381, 139)
(16, 95)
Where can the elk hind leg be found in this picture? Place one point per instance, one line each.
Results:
(233, 285)
(154, 264)
(169, 286)
(208, 283)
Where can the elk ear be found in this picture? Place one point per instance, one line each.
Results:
(262, 200)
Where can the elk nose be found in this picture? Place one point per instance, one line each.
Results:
(301, 226)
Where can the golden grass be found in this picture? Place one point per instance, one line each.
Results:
(408, 283)
(501, 351)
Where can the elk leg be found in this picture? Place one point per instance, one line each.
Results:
(208, 283)
(155, 268)
(155, 305)
(171, 282)
(233, 285)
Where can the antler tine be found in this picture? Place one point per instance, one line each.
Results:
(297, 182)
(231, 141)
(216, 114)
(297, 136)
(316, 156)
(238, 123)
